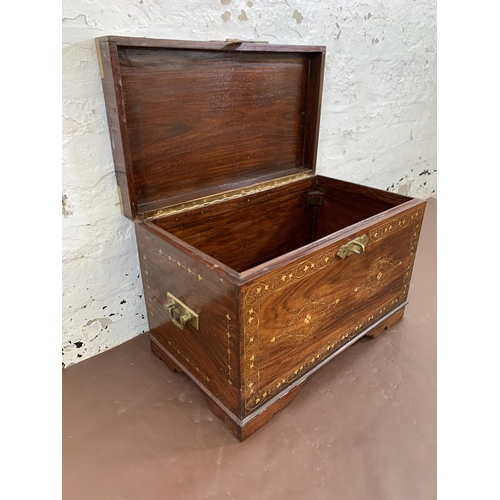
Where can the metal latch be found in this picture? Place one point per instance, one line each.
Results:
(186, 315)
(316, 198)
(356, 246)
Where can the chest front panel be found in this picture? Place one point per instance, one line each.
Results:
(295, 317)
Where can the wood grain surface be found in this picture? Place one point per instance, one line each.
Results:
(258, 336)
(294, 317)
(244, 234)
(193, 118)
(210, 354)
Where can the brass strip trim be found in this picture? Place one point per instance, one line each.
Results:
(228, 195)
(101, 69)
(237, 40)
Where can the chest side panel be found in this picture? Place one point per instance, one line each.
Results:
(210, 353)
(297, 316)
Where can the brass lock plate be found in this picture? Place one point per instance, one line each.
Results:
(176, 307)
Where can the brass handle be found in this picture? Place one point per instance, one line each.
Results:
(356, 246)
(186, 315)
(183, 319)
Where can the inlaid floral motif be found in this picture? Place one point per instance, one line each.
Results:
(306, 319)
(195, 368)
(252, 302)
(189, 270)
(229, 327)
(379, 275)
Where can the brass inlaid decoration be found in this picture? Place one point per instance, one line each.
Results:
(380, 232)
(227, 322)
(230, 344)
(226, 196)
(194, 274)
(379, 275)
(257, 291)
(306, 319)
(196, 370)
(401, 222)
(251, 318)
(411, 258)
(175, 262)
(342, 339)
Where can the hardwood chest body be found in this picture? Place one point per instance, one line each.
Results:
(256, 270)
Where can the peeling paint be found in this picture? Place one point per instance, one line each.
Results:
(102, 321)
(65, 209)
(250, 4)
(404, 188)
(226, 16)
(243, 16)
(225, 2)
(297, 16)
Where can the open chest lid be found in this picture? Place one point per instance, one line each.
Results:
(193, 123)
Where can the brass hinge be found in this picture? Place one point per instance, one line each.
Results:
(225, 196)
(237, 40)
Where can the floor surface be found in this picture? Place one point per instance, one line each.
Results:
(363, 427)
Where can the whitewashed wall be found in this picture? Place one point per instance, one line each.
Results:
(378, 125)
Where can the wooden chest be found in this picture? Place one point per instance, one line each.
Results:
(256, 271)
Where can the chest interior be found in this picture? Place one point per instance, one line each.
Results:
(252, 230)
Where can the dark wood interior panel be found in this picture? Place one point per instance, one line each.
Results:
(251, 235)
(198, 119)
(348, 203)
(176, 221)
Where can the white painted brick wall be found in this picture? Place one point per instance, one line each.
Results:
(378, 125)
